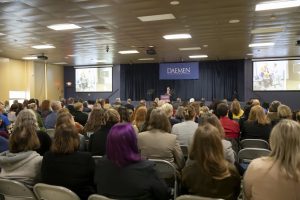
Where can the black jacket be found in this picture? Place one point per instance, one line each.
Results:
(254, 130)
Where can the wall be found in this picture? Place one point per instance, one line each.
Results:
(19, 75)
(69, 91)
(289, 98)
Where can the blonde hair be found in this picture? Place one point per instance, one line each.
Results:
(207, 151)
(284, 112)
(285, 148)
(235, 107)
(78, 106)
(257, 114)
(168, 108)
(189, 112)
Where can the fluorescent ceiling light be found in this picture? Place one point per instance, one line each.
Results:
(60, 27)
(189, 48)
(261, 44)
(146, 59)
(128, 52)
(177, 36)
(267, 30)
(151, 18)
(1, 34)
(43, 46)
(233, 21)
(60, 63)
(249, 54)
(271, 5)
(101, 60)
(30, 58)
(71, 55)
(198, 56)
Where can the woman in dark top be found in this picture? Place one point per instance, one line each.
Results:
(97, 142)
(123, 174)
(257, 126)
(64, 165)
(210, 175)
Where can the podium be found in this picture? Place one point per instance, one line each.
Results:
(165, 98)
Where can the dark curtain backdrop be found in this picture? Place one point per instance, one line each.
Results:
(217, 80)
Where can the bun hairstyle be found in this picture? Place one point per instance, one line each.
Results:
(189, 112)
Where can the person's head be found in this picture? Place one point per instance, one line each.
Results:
(140, 115)
(121, 146)
(222, 110)
(285, 147)
(255, 102)
(129, 101)
(78, 106)
(168, 108)
(207, 151)
(203, 110)
(118, 100)
(66, 138)
(56, 105)
(96, 120)
(14, 107)
(124, 114)
(196, 106)
(143, 102)
(274, 106)
(45, 105)
(24, 136)
(235, 107)
(70, 101)
(32, 106)
(189, 113)
(112, 116)
(180, 112)
(284, 112)
(212, 119)
(257, 113)
(159, 120)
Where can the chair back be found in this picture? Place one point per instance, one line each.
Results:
(254, 143)
(166, 170)
(13, 190)
(98, 197)
(193, 197)
(51, 192)
(248, 154)
(97, 159)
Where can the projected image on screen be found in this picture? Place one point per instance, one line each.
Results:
(93, 79)
(276, 75)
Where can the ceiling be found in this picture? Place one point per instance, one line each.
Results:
(114, 24)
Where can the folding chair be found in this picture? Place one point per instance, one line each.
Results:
(248, 154)
(98, 197)
(166, 170)
(14, 190)
(254, 143)
(52, 192)
(193, 197)
(97, 158)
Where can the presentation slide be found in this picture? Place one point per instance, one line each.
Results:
(283, 75)
(93, 79)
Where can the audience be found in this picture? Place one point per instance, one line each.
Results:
(168, 108)
(236, 110)
(95, 121)
(64, 165)
(51, 118)
(45, 109)
(123, 174)
(4, 122)
(210, 175)
(79, 115)
(22, 162)
(139, 118)
(284, 112)
(272, 112)
(277, 176)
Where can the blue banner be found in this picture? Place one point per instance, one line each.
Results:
(169, 71)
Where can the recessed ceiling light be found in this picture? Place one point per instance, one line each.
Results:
(71, 55)
(156, 17)
(174, 3)
(146, 59)
(249, 54)
(30, 58)
(205, 45)
(189, 48)
(61, 27)
(261, 44)
(1, 34)
(198, 56)
(271, 5)
(151, 46)
(43, 46)
(177, 36)
(128, 52)
(103, 61)
(234, 21)
(267, 30)
(60, 63)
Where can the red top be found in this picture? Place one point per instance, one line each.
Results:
(231, 128)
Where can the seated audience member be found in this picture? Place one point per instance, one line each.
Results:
(12, 113)
(185, 130)
(179, 113)
(4, 122)
(146, 124)
(284, 112)
(50, 120)
(79, 115)
(139, 118)
(70, 105)
(196, 105)
(97, 142)
(95, 121)
(124, 114)
(64, 165)
(257, 126)
(231, 127)
(210, 175)
(168, 108)
(158, 143)
(236, 110)
(276, 176)
(33, 106)
(22, 163)
(123, 174)
(128, 105)
(117, 103)
(272, 112)
(227, 146)
(45, 109)
(86, 108)
(3, 144)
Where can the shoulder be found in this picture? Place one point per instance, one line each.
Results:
(226, 144)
